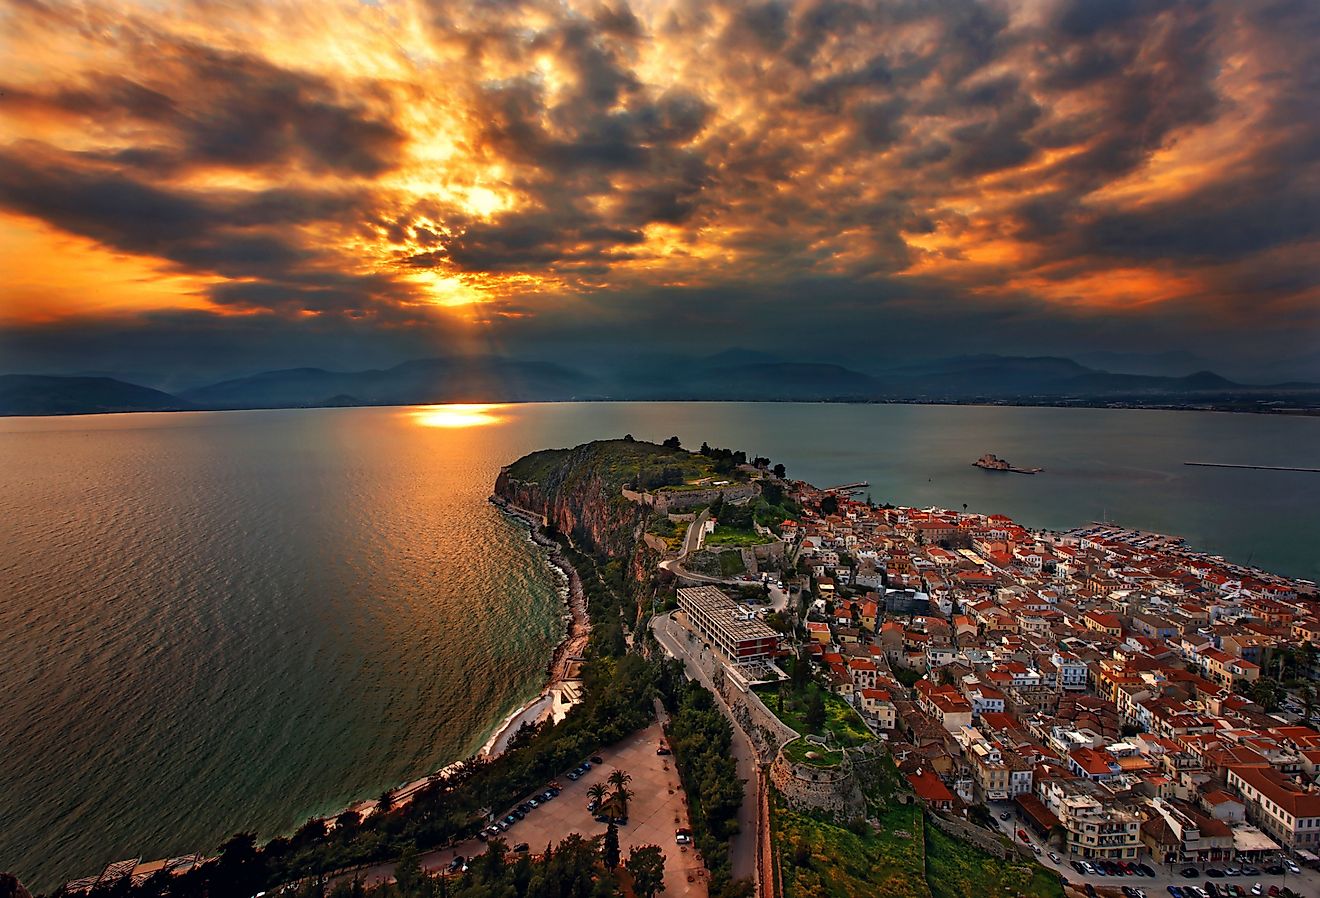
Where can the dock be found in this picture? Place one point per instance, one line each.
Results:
(1217, 464)
(849, 487)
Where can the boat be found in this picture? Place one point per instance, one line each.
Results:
(992, 462)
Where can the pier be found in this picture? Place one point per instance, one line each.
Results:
(849, 487)
(1217, 464)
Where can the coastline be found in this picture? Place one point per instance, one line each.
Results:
(555, 697)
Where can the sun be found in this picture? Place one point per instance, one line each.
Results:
(457, 415)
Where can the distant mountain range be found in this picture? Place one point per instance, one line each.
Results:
(732, 375)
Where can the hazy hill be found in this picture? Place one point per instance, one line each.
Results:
(38, 394)
(731, 375)
(420, 381)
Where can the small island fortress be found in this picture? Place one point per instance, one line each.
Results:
(992, 462)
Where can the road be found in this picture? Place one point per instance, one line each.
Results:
(742, 851)
(1306, 883)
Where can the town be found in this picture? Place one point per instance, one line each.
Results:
(1107, 700)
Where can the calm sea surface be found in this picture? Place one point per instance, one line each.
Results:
(221, 621)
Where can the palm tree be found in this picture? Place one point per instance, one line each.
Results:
(598, 792)
(619, 801)
(620, 779)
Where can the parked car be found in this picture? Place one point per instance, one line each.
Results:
(456, 864)
(1257, 889)
(592, 805)
(1054, 857)
(1176, 892)
(683, 837)
(1077, 865)
(1189, 872)
(597, 759)
(1274, 890)
(520, 848)
(1274, 869)
(1291, 865)
(533, 803)
(574, 775)
(1215, 873)
(1006, 816)
(662, 749)
(1232, 871)
(1146, 870)
(1250, 871)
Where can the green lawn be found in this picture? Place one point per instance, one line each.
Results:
(798, 749)
(736, 538)
(955, 869)
(841, 721)
(820, 860)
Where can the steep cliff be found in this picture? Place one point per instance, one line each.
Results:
(579, 490)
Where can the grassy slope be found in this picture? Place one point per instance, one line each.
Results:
(904, 857)
(956, 869)
(885, 864)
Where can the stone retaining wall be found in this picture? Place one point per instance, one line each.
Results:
(986, 841)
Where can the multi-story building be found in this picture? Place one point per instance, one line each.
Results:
(739, 634)
(1093, 828)
(1283, 809)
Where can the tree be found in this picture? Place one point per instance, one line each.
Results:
(619, 801)
(409, 875)
(609, 851)
(779, 471)
(385, 802)
(597, 793)
(830, 504)
(815, 713)
(646, 866)
(619, 778)
(672, 443)
(801, 670)
(1308, 700)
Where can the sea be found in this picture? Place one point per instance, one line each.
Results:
(218, 622)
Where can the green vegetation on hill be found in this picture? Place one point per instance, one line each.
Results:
(820, 859)
(896, 853)
(956, 869)
(810, 709)
(613, 463)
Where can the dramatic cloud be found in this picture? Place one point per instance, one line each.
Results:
(1047, 176)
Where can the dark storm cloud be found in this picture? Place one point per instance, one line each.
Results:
(212, 107)
(976, 168)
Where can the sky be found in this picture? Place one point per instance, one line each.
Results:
(191, 189)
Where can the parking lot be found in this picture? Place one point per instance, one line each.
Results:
(1306, 883)
(656, 810)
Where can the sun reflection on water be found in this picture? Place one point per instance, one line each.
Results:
(458, 415)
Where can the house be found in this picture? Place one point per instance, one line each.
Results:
(1109, 624)
(931, 790)
(879, 706)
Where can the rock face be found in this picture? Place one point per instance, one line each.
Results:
(579, 492)
(10, 887)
